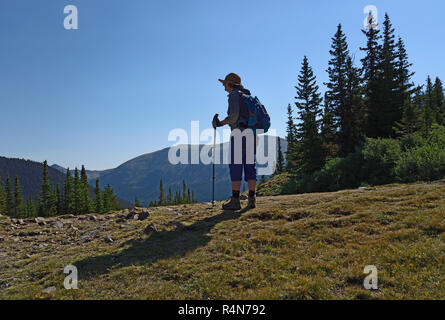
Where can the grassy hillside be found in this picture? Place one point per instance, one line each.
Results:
(312, 246)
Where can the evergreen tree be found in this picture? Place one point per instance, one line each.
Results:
(335, 104)
(391, 110)
(328, 131)
(161, 194)
(291, 139)
(68, 193)
(439, 101)
(189, 196)
(370, 71)
(404, 86)
(45, 197)
(53, 203)
(107, 203)
(170, 197)
(86, 203)
(30, 210)
(184, 192)
(136, 202)
(350, 133)
(310, 152)
(18, 199)
(9, 197)
(428, 112)
(98, 204)
(410, 120)
(2, 197)
(60, 201)
(77, 193)
(280, 158)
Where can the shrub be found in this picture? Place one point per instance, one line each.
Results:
(424, 162)
(379, 159)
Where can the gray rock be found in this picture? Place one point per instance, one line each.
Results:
(150, 228)
(143, 215)
(131, 215)
(50, 290)
(57, 224)
(108, 239)
(93, 218)
(2, 238)
(124, 226)
(3, 254)
(89, 235)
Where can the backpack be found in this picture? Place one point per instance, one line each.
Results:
(258, 118)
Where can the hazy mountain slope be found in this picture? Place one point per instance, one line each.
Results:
(310, 246)
(141, 176)
(30, 175)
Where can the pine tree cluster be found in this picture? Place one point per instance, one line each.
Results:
(375, 100)
(73, 198)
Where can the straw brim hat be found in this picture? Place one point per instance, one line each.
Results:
(232, 78)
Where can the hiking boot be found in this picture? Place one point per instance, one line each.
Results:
(232, 204)
(251, 204)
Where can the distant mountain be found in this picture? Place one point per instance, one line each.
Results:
(140, 177)
(30, 176)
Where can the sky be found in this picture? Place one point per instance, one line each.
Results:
(134, 70)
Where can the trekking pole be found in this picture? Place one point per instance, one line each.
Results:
(213, 163)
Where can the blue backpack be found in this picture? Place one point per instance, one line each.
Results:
(257, 116)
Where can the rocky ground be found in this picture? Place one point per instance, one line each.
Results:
(312, 246)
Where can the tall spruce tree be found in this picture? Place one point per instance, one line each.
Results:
(310, 150)
(77, 193)
(98, 203)
(107, 199)
(428, 112)
(18, 199)
(335, 104)
(404, 86)
(371, 74)
(280, 158)
(328, 131)
(291, 139)
(439, 101)
(391, 108)
(350, 133)
(60, 201)
(9, 203)
(86, 203)
(45, 196)
(170, 196)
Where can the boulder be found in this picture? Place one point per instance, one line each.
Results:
(49, 290)
(150, 229)
(143, 215)
(108, 239)
(89, 235)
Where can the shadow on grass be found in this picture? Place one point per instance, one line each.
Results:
(160, 245)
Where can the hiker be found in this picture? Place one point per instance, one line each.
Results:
(237, 118)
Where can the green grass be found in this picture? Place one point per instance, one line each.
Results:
(311, 246)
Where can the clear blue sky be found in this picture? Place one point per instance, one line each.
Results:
(134, 70)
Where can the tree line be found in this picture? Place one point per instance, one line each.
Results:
(187, 196)
(72, 198)
(375, 100)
